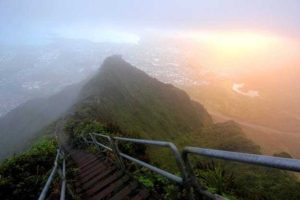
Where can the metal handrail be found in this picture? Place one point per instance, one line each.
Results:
(187, 178)
(268, 161)
(92, 135)
(162, 172)
(51, 176)
(113, 147)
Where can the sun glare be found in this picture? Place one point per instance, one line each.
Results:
(234, 50)
(235, 42)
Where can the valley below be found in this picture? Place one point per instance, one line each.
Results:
(270, 140)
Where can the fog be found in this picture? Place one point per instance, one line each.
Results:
(36, 22)
(204, 47)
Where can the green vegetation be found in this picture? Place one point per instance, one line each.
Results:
(122, 100)
(214, 176)
(160, 185)
(22, 176)
(245, 181)
(224, 136)
(138, 104)
(78, 128)
(229, 179)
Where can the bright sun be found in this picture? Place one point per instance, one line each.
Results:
(235, 43)
(235, 50)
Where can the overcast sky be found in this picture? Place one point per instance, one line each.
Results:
(35, 20)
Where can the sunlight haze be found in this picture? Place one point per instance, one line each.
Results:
(150, 99)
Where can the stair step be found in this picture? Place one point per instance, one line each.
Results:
(89, 164)
(81, 157)
(96, 167)
(86, 162)
(143, 194)
(112, 187)
(124, 192)
(84, 159)
(99, 178)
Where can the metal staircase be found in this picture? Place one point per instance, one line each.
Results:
(100, 178)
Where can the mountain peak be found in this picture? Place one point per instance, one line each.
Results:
(117, 58)
(115, 62)
(127, 96)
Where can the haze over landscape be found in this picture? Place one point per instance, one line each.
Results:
(232, 68)
(201, 46)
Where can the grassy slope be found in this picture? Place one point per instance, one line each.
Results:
(123, 95)
(123, 99)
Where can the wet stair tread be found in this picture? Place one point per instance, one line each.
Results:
(90, 164)
(125, 191)
(92, 174)
(85, 160)
(143, 194)
(97, 167)
(83, 165)
(104, 183)
(81, 157)
(112, 187)
(98, 178)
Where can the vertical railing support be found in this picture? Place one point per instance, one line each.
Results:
(193, 180)
(115, 148)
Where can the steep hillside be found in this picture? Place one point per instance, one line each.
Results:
(124, 95)
(23, 124)
(127, 101)
(120, 99)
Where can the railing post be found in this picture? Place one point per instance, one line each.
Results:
(115, 148)
(84, 139)
(193, 179)
(94, 141)
(184, 173)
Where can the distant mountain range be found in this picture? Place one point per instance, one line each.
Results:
(25, 123)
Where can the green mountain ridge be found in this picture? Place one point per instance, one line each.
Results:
(139, 104)
(123, 100)
(120, 95)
